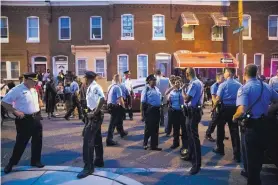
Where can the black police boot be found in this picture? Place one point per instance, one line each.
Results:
(237, 159)
(99, 164)
(111, 143)
(244, 173)
(218, 151)
(194, 170)
(208, 137)
(123, 134)
(85, 172)
(37, 164)
(8, 168)
(155, 149)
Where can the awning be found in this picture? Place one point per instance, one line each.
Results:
(188, 18)
(204, 60)
(220, 20)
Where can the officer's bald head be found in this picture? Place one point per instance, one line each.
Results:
(190, 72)
(251, 70)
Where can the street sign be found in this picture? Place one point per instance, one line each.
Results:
(238, 30)
(226, 60)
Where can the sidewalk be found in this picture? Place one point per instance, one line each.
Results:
(62, 175)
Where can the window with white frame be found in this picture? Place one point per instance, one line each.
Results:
(247, 27)
(4, 29)
(273, 27)
(188, 32)
(33, 29)
(259, 61)
(64, 28)
(81, 66)
(10, 70)
(217, 33)
(96, 28)
(142, 66)
(158, 27)
(100, 67)
(122, 64)
(127, 27)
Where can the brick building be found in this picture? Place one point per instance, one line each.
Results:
(137, 35)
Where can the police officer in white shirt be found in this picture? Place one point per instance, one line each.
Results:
(22, 100)
(128, 101)
(92, 131)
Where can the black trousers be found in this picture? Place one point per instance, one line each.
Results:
(92, 141)
(256, 139)
(151, 126)
(212, 124)
(177, 119)
(163, 109)
(226, 116)
(116, 121)
(26, 128)
(76, 103)
(128, 105)
(194, 148)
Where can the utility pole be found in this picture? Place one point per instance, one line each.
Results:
(240, 41)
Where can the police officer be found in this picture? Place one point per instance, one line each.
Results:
(176, 116)
(194, 100)
(226, 95)
(255, 133)
(22, 100)
(92, 139)
(74, 87)
(116, 108)
(213, 90)
(128, 99)
(151, 100)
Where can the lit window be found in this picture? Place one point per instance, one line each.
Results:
(4, 30)
(122, 64)
(158, 27)
(33, 29)
(188, 33)
(142, 66)
(217, 33)
(81, 67)
(9, 70)
(100, 67)
(273, 27)
(64, 28)
(127, 27)
(96, 28)
(247, 27)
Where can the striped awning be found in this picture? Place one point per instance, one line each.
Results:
(220, 20)
(188, 19)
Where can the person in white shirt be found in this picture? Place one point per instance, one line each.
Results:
(273, 82)
(92, 139)
(128, 100)
(162, 84)
(23, 101)
(4, 88)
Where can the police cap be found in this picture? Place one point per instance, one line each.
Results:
(150, 78)
(127, 72)
(31, 75)
(90, 74)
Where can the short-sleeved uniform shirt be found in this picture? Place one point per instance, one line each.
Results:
(93, 95)
(124, 91)
(248, 94)
(114, 94)
(227, 91)
(23, 99)
(74, 87)
(195, 90)
(214, 88)
(151, 96)
(273, 82)
(176, 99)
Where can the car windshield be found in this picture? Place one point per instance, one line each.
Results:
(139, 88)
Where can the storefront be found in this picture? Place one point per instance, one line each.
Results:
(206, 64)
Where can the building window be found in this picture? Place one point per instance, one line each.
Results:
(159, 27)
(33, 29)
(259, 61)
(9, 70)
(217, 33)
(142, 66)
(127, 27)
(100, 67)
(273, 27)
(247, 27)
(122, 63)
(96, 28)
(64, 28)
(188, 33)
(81, 66)
(4, 30)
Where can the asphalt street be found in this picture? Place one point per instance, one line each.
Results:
(62, 146)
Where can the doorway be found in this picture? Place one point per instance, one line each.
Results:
(163, 62)
(39, 68)
(39, 64)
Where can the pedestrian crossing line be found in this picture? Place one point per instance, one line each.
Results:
(168, 170)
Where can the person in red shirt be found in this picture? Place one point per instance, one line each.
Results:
(39, 90)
